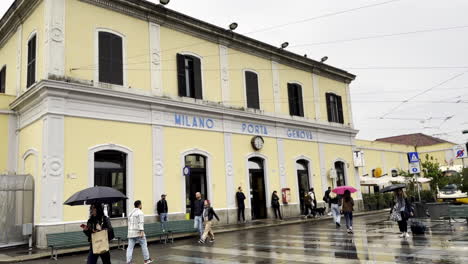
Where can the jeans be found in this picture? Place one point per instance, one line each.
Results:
(131, 244)
(241, 212)
(163, 220)
(403, 224)
(93, 258)
(335, 209)
(198, 224)
(208, 231)
(277, 212)
(309, 210)
(349, 219)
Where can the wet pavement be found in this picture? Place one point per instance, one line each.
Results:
(375, 240)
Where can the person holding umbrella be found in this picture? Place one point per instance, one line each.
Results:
(348, 207)
(98, 222)
(401, 211)
(336, 201)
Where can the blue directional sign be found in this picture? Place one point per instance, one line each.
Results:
(413, 157)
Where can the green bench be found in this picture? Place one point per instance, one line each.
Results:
(458, 211)
(180, 227)
(65, 240)
(120, 233)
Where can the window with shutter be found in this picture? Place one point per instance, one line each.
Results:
(3, 80)
(251, 86)
(110, 58)
(296, 106)
(189, 76)
(31, 74)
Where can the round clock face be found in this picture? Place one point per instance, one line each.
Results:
(257, 142)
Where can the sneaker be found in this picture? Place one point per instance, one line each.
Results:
(201, 242)
(402, 235)
(351, 231)
(338, 224)
(407, 235)
(211, 240)
(148, 261)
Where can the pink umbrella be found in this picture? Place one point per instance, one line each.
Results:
(341, 189)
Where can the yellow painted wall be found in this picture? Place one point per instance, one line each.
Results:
(34, 23)
(30, 137)
(8, 59)
(82, 22)
(328, 85)
(82, 134)
(174, 147)
(333, 152)
(173, 42)
(238, 62)
(292, 75)
(5, 101)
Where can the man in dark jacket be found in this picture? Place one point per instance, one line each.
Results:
(197, 211)
(240, 197)
(326, 199)
(162, 210)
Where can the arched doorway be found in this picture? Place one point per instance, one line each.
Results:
(302, 168)
(257, 188)
(196, 181)
(110, 169)
(340, 173)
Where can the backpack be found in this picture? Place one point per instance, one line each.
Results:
(308, 199)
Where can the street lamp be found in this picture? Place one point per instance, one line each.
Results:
(164, 2)
(465, 131)
(284, 45)
(233, 26)
(324, 59)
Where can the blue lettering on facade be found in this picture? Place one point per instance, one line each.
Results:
(299, 134)
(193, 121)
(254, 129)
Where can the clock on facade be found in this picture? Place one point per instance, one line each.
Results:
(257, 142)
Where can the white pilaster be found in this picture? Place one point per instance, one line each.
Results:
(323, 167)
(12, 144)
(19, 46)
(276, 86)
(317, 96)
(282, 169)
(155, 55)
(224, 66)
(52, 168)
(350, 109)
(229, 165)
(357, 183)
(384, 162)
(54, 38)
(158, 163)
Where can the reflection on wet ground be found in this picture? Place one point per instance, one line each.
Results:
(375, 240)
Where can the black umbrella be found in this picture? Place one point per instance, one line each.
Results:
(393, 187)
(98, 194)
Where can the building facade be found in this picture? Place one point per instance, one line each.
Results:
(127, 94)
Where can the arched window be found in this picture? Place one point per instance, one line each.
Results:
(110, 58)
(334, 108)
(31, 70)
(296, 107)
(251, 90)
(189, 76)
(196, 181)
(3, 80)
(110, 169)
(340, 173)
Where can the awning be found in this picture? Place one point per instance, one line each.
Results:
(387, 180)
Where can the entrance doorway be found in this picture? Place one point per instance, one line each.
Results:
(257, 188)
(302, 167)
(110, 169)
(196, 181)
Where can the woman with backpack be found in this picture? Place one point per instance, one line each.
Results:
(98, 222)
(401, 211)
(276, 205)
(348, 207)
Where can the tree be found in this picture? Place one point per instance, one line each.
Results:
(464, 187)
(431, 169)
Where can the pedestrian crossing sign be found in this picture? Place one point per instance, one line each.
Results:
(413, 157)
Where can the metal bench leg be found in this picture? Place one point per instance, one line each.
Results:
(171, 237)
(53, 254)
(120, 244)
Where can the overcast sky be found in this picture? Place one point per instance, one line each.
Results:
(406, 82)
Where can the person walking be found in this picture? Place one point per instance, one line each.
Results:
(308, 202)
(326, 199)
(401, 211)
(197, 211)
(276, 205)
(97, 222)
(348, 207)
(136, 233)
(335, 203)
(162, 210)
(208, 214)
(240, 197)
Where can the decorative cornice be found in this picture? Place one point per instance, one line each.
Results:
(148, 11)
(59, 89)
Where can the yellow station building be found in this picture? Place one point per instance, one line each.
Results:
(128, 93)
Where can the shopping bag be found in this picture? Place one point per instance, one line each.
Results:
(100, 242)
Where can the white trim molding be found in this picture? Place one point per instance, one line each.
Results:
(36, 175)
(52, 182)
(54, 39)
(276, 86)
(12, 143)
(19, 58)
(224, 68)
(323, 167)
(281, 163)
(156, 61)
(229, 165)
(130, 177)
(209, 182)
(158, 163)
(317, 96)
(350, 108)
(96, 58)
